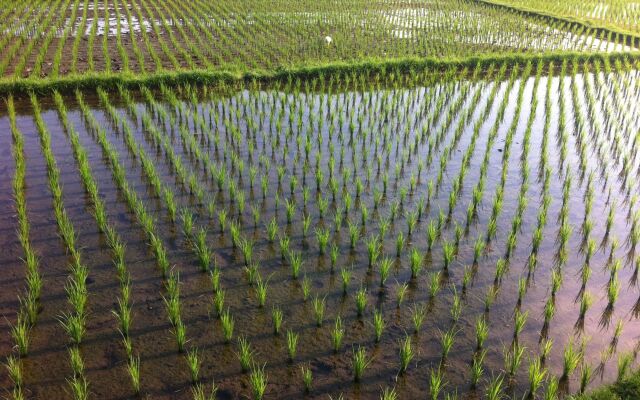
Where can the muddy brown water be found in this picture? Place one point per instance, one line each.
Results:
(164, 372)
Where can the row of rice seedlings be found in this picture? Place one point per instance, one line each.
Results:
(200, 248)
(514, 356)
(74, 323)
(57, 58)
(172, 300)
(115, 243)
(122, 51)
(51, 26)
(30, 301)
(377, 319)
(35, 27)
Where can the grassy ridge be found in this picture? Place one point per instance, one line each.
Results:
(416, 64)
(626, 389)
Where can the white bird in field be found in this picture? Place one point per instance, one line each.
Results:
(328, 39)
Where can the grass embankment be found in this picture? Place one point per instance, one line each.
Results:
(626, 389)
(108, 80)
(630, 38)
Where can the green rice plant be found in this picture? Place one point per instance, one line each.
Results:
(318, 310)
(467, 277)
(198, 392)
(337, 334)
(373, 249)
(123, 314)
(255, 212)
(436, 383)
(477, 369)
(261, 291)
(434, 284)
(284, 242)
(449, 250)
(415, 263)
(187, 222)
(418, 314)
(359, 363)
(613, 290)
(490, 297)
(378, 324)
(258, 382)
(322, 236)
(364, 214)
(307, 378)
(276, 318)
(354, 234)
(244, 354)
(624, 365)
(180, 333)
(519, 320)
(74, 326)
(75, 359)
(79, 388)
(446, 341)
(337, 219)
(401, 293)
(333, 255)
(513, 358)
(246, 246)
(272, 229)
(432, 234)
(456, 306)
(400, 241)
(295, 259)
(306, 288)
(385, 268)
(482, 332)
(383, 227)
(412, 220)
(222, 220)
(389, 394)
(20, 335)
(494, 389)
(227, 325)
(478, 248)
(14, 370)
(361, 301)
(202, 250)
(345, 275)
(537, 376)
(545, 348)
(571, 358)
(549, 311)
(218, 302)
(406, 354)
(552, 390)
(290, 210)
(194, 364)
(585, 377)
(133, 369)
(292, 344)
(585, 303)
(306, 224)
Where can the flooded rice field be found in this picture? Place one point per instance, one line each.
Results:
(73, 37)
(466, 234)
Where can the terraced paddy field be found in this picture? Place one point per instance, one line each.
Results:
(76, 37)
(470, 234)
(396, 199)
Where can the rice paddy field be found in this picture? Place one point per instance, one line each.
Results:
(286, 200)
